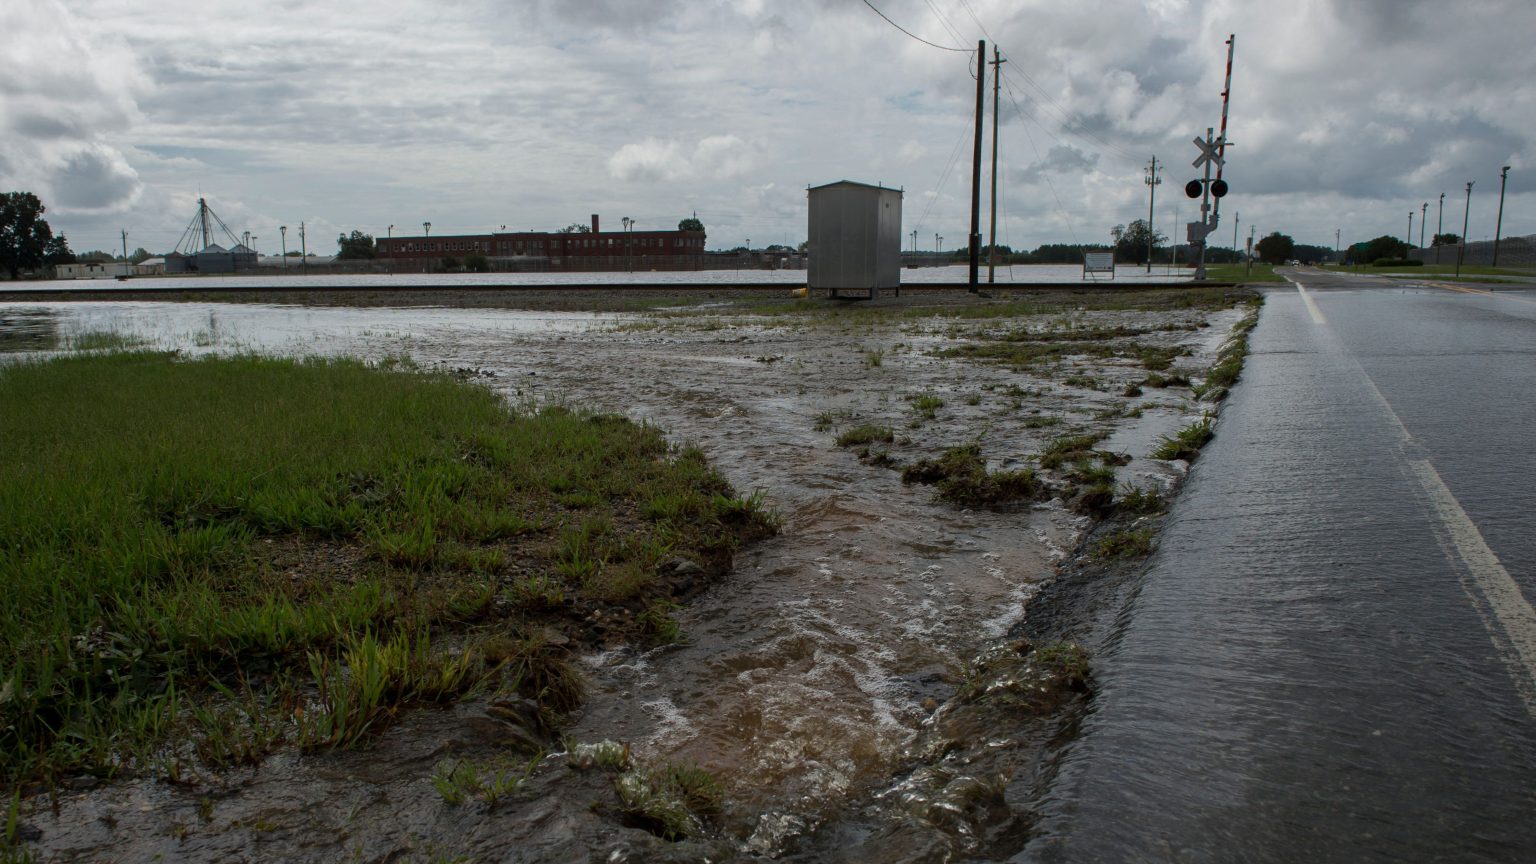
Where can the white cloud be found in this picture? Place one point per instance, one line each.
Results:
(473, 113)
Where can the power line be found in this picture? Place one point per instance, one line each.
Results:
(914, 35)
(1044, 174)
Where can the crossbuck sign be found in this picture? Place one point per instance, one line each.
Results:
(1209, 152)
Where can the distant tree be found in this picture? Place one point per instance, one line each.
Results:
(477, 263)
(1308, 254)
(1277, 248)
(1131, 241)
(1382, 247)
(356, 246)
(575, 228)
(24, 233)
(805, 245)
(1446, 240)
(293, 254)
(140, 255)
(96, 256)
(57, 252)
(690, 224)
(451, 263)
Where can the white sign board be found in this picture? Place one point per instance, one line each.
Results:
(1098, 262)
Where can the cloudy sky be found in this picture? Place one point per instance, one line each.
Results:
(533, 114)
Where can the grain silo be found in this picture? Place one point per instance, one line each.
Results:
(854, 238)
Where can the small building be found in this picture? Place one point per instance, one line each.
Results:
(854, 236)
(589, 250)
(93, 270)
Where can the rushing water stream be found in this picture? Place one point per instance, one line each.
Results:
(807, 678)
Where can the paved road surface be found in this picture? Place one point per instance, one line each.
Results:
(1333, 654)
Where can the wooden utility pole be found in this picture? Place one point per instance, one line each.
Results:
(981, 95)
(997, 75)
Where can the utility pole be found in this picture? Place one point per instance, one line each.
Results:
(981, 95)
(1423, 222)
(283, 229)
(1236, 219)
(1439, 227)
(1152, 181)
(1250, 250)
(1408, 239)
(1461, 249)
(303, 250)
(389, 236)
(914, 247)
(997, 74)
(124, 271)
(1499, 226)
(1339, 258)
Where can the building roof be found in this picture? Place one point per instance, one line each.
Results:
(852, 183)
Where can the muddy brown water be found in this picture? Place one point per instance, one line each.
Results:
(809, 679)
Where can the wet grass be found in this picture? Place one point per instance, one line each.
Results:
(961, 478)
(1186, 443)
(1229, 360)
(861, 436)
(249, 552)
(673, 801)
(1241, 273)
(1068, 448)
(1125, 544)
(926, 405)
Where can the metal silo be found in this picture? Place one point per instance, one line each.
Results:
(854, 238)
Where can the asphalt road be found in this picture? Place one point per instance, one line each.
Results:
(1332, 656)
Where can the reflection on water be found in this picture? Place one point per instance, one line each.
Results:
(27, 329)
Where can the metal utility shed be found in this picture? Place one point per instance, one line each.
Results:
(855, 238)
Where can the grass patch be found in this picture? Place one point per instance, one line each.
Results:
(673, 802)
(1186, 443)
(860, 436)
(174, 533)
(1124, 544)
(927, 405)
(961, 477)
(1070, 448)
(1241, 273)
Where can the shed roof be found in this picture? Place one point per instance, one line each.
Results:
(852, 183)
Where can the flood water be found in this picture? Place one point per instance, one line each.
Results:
(807, 677)
(297, 278)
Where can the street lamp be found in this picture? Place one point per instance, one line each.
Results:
(628, 222)
(1499, 226)
(389, 248)
(1461, 250)
(1408, 238)
(426, 228)
(284, 230)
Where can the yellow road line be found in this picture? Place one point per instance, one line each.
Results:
(1478, 291)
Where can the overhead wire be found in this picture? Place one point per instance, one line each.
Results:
(914, 35)
(1060, 205)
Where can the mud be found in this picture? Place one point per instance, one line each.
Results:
(823, 683)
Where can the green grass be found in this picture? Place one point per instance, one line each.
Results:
(860, 436)
(926, 405)
(173, 532)
(1186, 443)
(1241, 273)
(961, 477)
(1069, 448)
(1125, 544)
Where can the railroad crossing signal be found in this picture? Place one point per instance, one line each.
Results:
(1210, 151)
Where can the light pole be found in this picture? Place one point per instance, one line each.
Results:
(1439, 227)
(1408, 238)
(426, 228)
(1236, 218)
(303, 249)
(389, 235)
(284, 230)
(1499, 226)
(1423, 222)
(1461, 250)
(628, 222)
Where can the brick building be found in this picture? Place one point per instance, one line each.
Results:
(591, 251)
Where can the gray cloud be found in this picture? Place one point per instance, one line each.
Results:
(474, 113)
